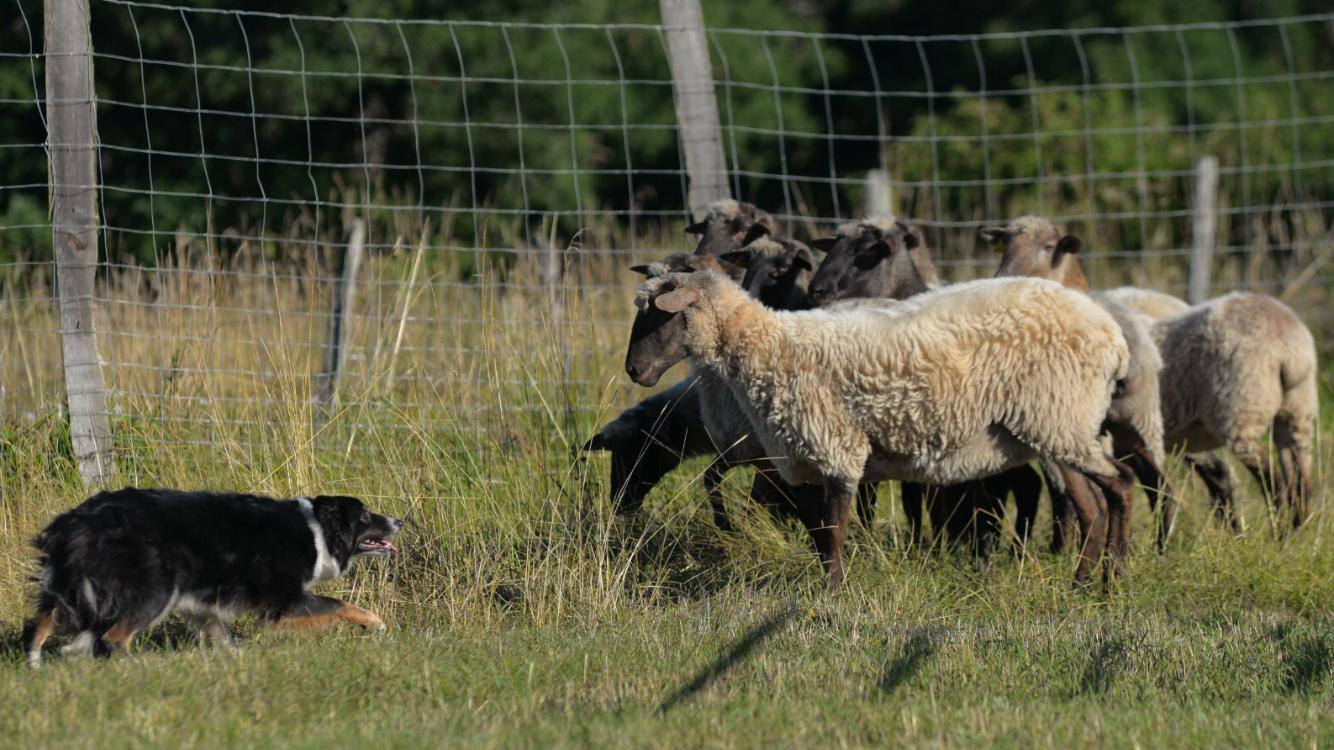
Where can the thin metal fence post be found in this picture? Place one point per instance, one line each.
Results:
(1205, 223)
(344, 294)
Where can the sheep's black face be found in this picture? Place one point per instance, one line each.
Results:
(780, 281)
(658, 336)
(719, 235)
(872, 263)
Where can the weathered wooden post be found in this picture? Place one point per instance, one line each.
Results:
(1205, 225)
(71, 127)
(344, 294)
(696, 103)
(879, 193)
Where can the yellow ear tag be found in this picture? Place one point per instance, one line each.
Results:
(998, 248)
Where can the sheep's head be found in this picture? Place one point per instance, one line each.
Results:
(689, 263)
(874, 258)
(1033, 246)
(658, 334)
(778, 271)
(730, 225)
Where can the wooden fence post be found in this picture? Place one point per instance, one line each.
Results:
(1205, 224)
(344, 294)
(71, 126)
(879, 194)
(696, 103)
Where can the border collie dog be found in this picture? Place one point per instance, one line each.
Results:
(122, 561)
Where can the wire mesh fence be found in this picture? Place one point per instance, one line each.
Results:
(508, 173)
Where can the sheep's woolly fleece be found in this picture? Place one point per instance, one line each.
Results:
(1234, 368)
(948, 386)
(1148, 302)
(726, 209)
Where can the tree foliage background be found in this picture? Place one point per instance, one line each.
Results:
(330, 107)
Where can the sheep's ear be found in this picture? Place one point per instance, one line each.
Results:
(871, 253)
(755, 232)
(676, 300)
(738, 258)
(824, 244)
(997, 237)
(804, 259)
(1067, 244)
(641, 269)
(699, 227)
(911, 238)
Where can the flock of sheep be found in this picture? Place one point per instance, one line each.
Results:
(829, 376)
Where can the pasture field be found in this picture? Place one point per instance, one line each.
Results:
(525, 613)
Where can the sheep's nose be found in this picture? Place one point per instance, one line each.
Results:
(817, 293)
(632, 371)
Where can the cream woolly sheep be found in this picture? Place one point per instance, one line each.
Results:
(1237, 367)
(951, 386)
(653, 437)
(1233, 368)
(731, 225)
(1033, 246)
(889, 259)
(1208, 466)
(1148, 302)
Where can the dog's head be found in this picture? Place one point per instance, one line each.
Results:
(350, 529)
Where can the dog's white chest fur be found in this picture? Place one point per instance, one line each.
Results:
(326, 566)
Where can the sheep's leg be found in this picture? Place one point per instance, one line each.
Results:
(988, 512)
(910, 494)
(1292, 440)
(1026, 486)
(1119, 492)
(1063, 514)
(951, 511)
(713, 479)
(636, 470)
(832, 532)
(1218, 480)
(773, 494)
(1253, 456)
(1151, 478)
(1091, 509)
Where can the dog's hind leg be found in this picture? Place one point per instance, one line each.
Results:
(317, 612)
(35, 633)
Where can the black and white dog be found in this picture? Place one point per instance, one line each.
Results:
(122, 561)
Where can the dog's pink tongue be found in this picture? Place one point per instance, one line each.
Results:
(392, 549)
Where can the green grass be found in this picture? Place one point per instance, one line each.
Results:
(530, 616)
(524, 613)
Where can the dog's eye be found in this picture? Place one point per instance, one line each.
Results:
(365, 516)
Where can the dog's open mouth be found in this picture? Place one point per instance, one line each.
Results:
(376, 546)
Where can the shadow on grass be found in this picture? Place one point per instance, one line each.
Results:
(731, 657)
(1103, 665)
(916, 649)
(1307, 659)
